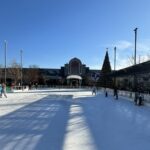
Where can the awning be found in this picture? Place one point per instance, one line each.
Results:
(74, 77)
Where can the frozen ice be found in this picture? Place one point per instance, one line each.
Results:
(72, 119)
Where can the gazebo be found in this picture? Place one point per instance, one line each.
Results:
(74, 80)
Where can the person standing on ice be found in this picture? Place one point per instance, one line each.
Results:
(94, 90)
(136, 98)
(115, 93)
(106, 93)
(3, 90)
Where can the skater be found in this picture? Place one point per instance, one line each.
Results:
(116, 93)
(136, 97)
(106, 93)
(3, 90)
(94, 90)
(30, 86)
(140, 99)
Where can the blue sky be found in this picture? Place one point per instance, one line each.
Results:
(51, 32)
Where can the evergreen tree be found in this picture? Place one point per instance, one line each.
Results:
(105, 80)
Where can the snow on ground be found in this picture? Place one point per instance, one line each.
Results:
(72, 119)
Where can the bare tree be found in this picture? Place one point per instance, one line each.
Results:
(144, 58)
(130, 60)
(33, 73)
(14, 71)
(33, 66)
(139, 60)
(148, 56)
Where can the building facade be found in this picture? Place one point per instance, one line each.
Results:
(136, 76)
(74, 74)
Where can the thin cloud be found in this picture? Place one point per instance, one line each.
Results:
(123, 45)
(125, 51)
(142, 46)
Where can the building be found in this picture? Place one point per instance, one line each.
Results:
(125, 78)
(74, 74)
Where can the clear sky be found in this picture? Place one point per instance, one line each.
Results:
(51, 32)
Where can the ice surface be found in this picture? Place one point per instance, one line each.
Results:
(72, 119)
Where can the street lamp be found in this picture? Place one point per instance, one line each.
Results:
(5, 49)
(135, 79)
(21, 51)
(115, 67)
(135, 30)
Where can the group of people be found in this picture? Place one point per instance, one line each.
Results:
(94, 91)
(33, 86)
(3, 90)
(139, 98)
(115, 93)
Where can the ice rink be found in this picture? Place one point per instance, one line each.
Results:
(72, 119)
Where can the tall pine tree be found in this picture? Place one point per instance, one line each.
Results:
(105, 80)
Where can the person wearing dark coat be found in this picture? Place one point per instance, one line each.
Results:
(140, 99)
(116, 93)
(94, 90)
(106, 93)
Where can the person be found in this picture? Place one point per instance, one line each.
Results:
(106, 93)
(30, 85)
(94, 90)
(136, 97)
(116, 93)
(3, 90)
(140, 99)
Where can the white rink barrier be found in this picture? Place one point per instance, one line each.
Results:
(132, 95)
(127, 94)
(19, 88)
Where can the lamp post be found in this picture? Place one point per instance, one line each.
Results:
(5, 49)
(135, 79)
(135, 30)
(21, 51)
(115, 87)
(115, 67)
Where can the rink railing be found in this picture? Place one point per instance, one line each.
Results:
(41, 87)
(127, 94)
(19, 88)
